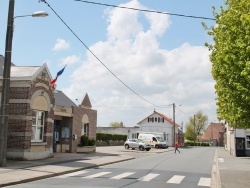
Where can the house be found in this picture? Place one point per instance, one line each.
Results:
(41, 120)
(213, 134)
(159, 123)
(237, 140)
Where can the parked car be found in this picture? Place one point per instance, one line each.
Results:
(137, 144)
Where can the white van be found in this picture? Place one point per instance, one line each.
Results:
(153, 139)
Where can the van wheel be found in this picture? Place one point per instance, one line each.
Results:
(141, 148)
(148, 149)
(126, 146)
(156, 146)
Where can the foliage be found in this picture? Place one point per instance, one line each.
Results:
(91, 142)
(107, 137)
(85, 141)
(189, 143)
(196, 126)
(230, 57)
(116, 124)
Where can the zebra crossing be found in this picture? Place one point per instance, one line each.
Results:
(175, 179)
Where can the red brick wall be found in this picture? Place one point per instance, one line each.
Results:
(78, 113)
(19, 122)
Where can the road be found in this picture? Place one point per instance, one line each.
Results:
(191, 168)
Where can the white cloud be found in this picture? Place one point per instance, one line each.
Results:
(132, 53)
(70, 60)
(61, 44)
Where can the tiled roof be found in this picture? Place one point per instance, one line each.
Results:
(86, 102)
(25, 71)
(62, 100)
(2, 64)
(163, 116)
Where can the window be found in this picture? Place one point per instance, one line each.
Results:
(37, 126)
(134, 135)
(247, 142)
(85, 129)
(159, 119)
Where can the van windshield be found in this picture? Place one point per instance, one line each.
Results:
(160, 139)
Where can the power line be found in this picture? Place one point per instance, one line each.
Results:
(44, 1)
(145, 10)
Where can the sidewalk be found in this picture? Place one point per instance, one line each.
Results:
(17, 172)
(231, 171)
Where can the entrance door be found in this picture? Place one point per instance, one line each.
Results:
(56, 134)
(240, 147)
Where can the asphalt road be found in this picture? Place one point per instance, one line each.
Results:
(191, 168)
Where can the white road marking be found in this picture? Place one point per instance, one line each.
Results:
(221, 160)
(205, 182)
(97, 175)
(122, 175)
(148, 177)
(176, 179)
(71, 174)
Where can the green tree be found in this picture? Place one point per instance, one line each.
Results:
(116, 124)
(196, 126)
(230, 57)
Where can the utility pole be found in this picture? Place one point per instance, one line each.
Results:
(4, 112)
(194, 130)
(174, 121)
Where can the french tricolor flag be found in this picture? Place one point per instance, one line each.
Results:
(53, 82)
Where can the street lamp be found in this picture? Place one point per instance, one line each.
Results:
(4, 111)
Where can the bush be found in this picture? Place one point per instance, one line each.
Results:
(191, 143)
(85, 141)
(107, 137)
(91, 142)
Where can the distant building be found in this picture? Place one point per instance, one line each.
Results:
(160, 123)
(213, 134)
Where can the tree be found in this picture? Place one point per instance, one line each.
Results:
(196, 126)
(230, 57)
(116, 124)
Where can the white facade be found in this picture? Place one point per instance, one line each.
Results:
(230, 141)
(158, 123)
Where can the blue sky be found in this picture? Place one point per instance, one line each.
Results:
(160, 57)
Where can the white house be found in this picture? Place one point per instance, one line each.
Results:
(157, 122)
(237, 141)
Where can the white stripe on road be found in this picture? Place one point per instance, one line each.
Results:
(221, 160)
(72, 174)
(205, 182)
(148, 177)
(176, 179)
(97, 175)
(122, 175)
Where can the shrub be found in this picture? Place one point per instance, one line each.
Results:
(107, 137)
(91, 142)
(84, 140)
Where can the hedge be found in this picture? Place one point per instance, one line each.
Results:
(190, 143)
(107, 137)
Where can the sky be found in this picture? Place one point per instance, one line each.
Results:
(129, 62)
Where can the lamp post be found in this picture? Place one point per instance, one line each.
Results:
(174, 121)
(4, 111)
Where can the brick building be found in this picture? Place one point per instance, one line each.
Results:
(214, 134)
(42, 120)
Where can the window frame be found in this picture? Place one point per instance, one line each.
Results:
(247, 141)
(36, 136)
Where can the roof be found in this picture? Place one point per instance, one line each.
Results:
(86, 102)
(62, 100)
(25, 71)
(163, 116)
(2, 64)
